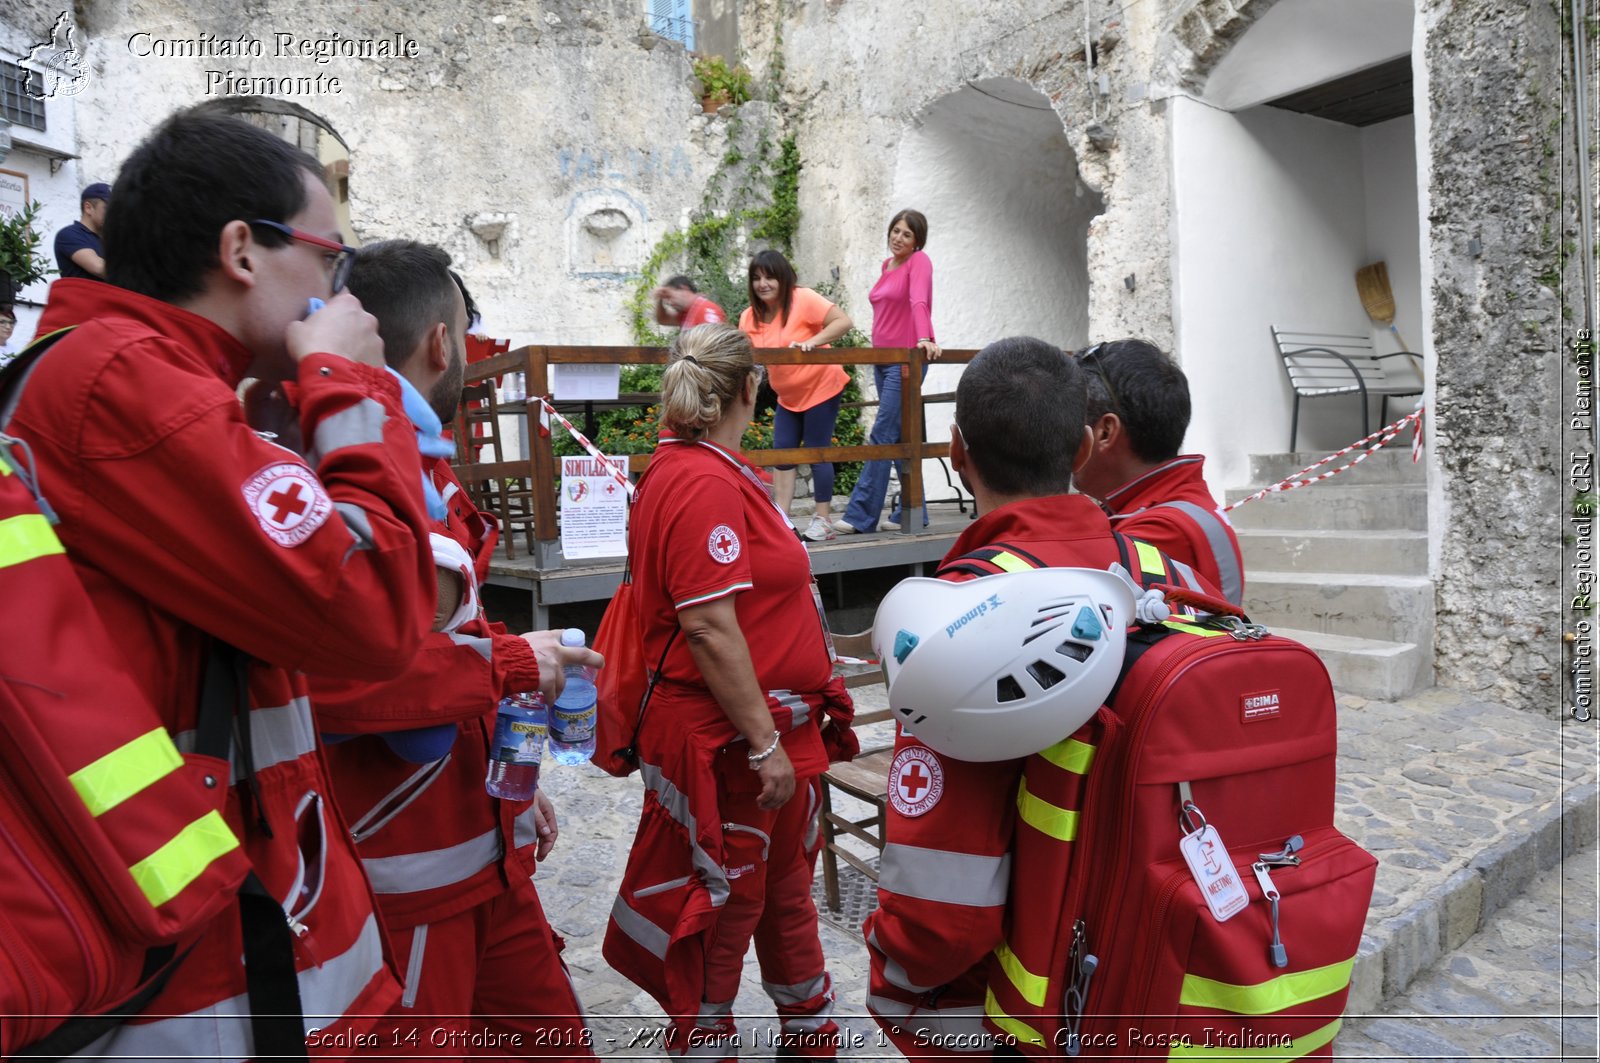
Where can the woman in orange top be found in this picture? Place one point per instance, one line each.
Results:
(783, 315)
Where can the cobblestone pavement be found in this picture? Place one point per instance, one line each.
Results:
(1465, 803)
(1522, 988)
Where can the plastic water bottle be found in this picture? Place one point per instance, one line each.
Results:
(572, 717)
(518, 747)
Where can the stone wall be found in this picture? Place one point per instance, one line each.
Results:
(1495, 156)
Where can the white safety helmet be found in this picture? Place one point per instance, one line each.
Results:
(1003, 666)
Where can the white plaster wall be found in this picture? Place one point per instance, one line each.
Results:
(1270, 226)
(1301, 43)
(1389, 164)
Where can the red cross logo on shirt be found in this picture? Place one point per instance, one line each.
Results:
(918, 780)
(285, 502)
(913, 781)
(723, 545)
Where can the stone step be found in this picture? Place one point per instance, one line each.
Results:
(1389, 608)
(1391, 465)
(1303, 550)
(1331, 506)
(1371, 668)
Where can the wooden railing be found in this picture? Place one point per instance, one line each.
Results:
(539, 470)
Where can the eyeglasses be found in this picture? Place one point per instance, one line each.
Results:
(346, 255)
(1090, 359)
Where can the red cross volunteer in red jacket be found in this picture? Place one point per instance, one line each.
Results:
(187, 525)
(973, 850)
(1138, 412)
(729, 745)
(450, 864)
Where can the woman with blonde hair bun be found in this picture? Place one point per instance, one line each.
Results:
(729, 743)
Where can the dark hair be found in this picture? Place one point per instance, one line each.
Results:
(466, 297)
(175, 193)
(1147, 392)
(915, 222)
(1019, 407)
(774, 265)
(408, 287)
(680, 281)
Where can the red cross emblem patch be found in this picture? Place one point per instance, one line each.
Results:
(288, 501)
(723, 545)
(916, 781)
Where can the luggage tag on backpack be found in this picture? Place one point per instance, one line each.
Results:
(1211, 867)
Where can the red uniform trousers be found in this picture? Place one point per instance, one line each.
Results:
(485, 983)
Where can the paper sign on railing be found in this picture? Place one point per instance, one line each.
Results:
(594, 509)
(574, 383)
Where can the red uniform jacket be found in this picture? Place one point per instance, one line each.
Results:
(433, 841)
(1170, 507)
(184, 523)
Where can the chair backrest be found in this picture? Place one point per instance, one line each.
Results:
(477, 431)
(1324, 362)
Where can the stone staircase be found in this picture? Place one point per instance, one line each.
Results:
(1342, 566)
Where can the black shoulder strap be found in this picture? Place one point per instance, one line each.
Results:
(990, 560)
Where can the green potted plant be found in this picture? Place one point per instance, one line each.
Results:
(21, 264)
(720, 83)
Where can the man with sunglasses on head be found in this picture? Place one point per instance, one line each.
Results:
(1138, 412)
(191, 528)
(451, 865)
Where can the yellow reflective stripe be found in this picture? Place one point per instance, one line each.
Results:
(1010, 562)
(1283, 1046)
(1194, 629)
(1069, 754)
(1264, 998)
(164, 873)
(1150, 559)
(123, 772)
(1015, 1027)
(5, 470)
(1059, 823)
(26, 537)
(1033, 987)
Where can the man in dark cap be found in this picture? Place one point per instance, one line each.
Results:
(78, 250)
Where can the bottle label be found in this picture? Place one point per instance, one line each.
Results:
(573, 727)
(518, 741)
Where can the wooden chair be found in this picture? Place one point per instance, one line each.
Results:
(477, 432)
(866, 779)
(1320, 364)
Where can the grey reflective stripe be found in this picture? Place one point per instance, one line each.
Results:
(1221, 544)
(740, 828)
(709, 1010)
(395, 801)
(892, 971)
(277, 735)
(662, 887)
(799, 711)
(810, 1023)
(415, 872)
(485, 647)
(962, 1028)
(677, 805)
(222, 1030)
(945, 877)
(356, 522)
(1186, 576)
(525, 828)
(798, 993)
(352, 426)
(645, 934)
(419, 946)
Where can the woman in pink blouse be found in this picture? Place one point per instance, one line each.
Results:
(902, 316)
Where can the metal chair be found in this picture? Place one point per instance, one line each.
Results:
(1322, 364)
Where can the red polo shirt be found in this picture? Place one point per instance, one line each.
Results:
(1171, 507)
(702, 312)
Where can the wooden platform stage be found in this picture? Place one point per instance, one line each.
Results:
(597, 580)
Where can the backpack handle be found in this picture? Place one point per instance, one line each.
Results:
(1200, 600)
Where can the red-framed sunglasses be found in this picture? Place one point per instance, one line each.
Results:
(346, 254)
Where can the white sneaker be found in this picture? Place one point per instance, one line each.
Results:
(844, 527)
(888, 525)
(819, 531)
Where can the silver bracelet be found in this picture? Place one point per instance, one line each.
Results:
(755, 759)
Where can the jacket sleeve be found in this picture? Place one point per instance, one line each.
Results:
(945, 874)
(456, 676)
(920, 283)
(326, 571)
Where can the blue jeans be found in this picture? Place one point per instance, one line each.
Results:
(813, 428)
(866, 501)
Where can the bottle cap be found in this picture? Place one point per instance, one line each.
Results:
(572, 636)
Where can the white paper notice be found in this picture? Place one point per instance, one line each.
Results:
(594, 509)
(574, 382)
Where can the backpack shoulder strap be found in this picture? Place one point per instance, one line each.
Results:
(992, 559)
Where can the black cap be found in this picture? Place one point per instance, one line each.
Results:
(98, 190)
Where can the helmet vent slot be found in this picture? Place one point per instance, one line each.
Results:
(1074, 650)
(1047, 674)
(1054, 622)
(1008, 689)
(908, 712)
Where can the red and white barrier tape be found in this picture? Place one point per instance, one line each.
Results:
(618, 474)
(1388, 433)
